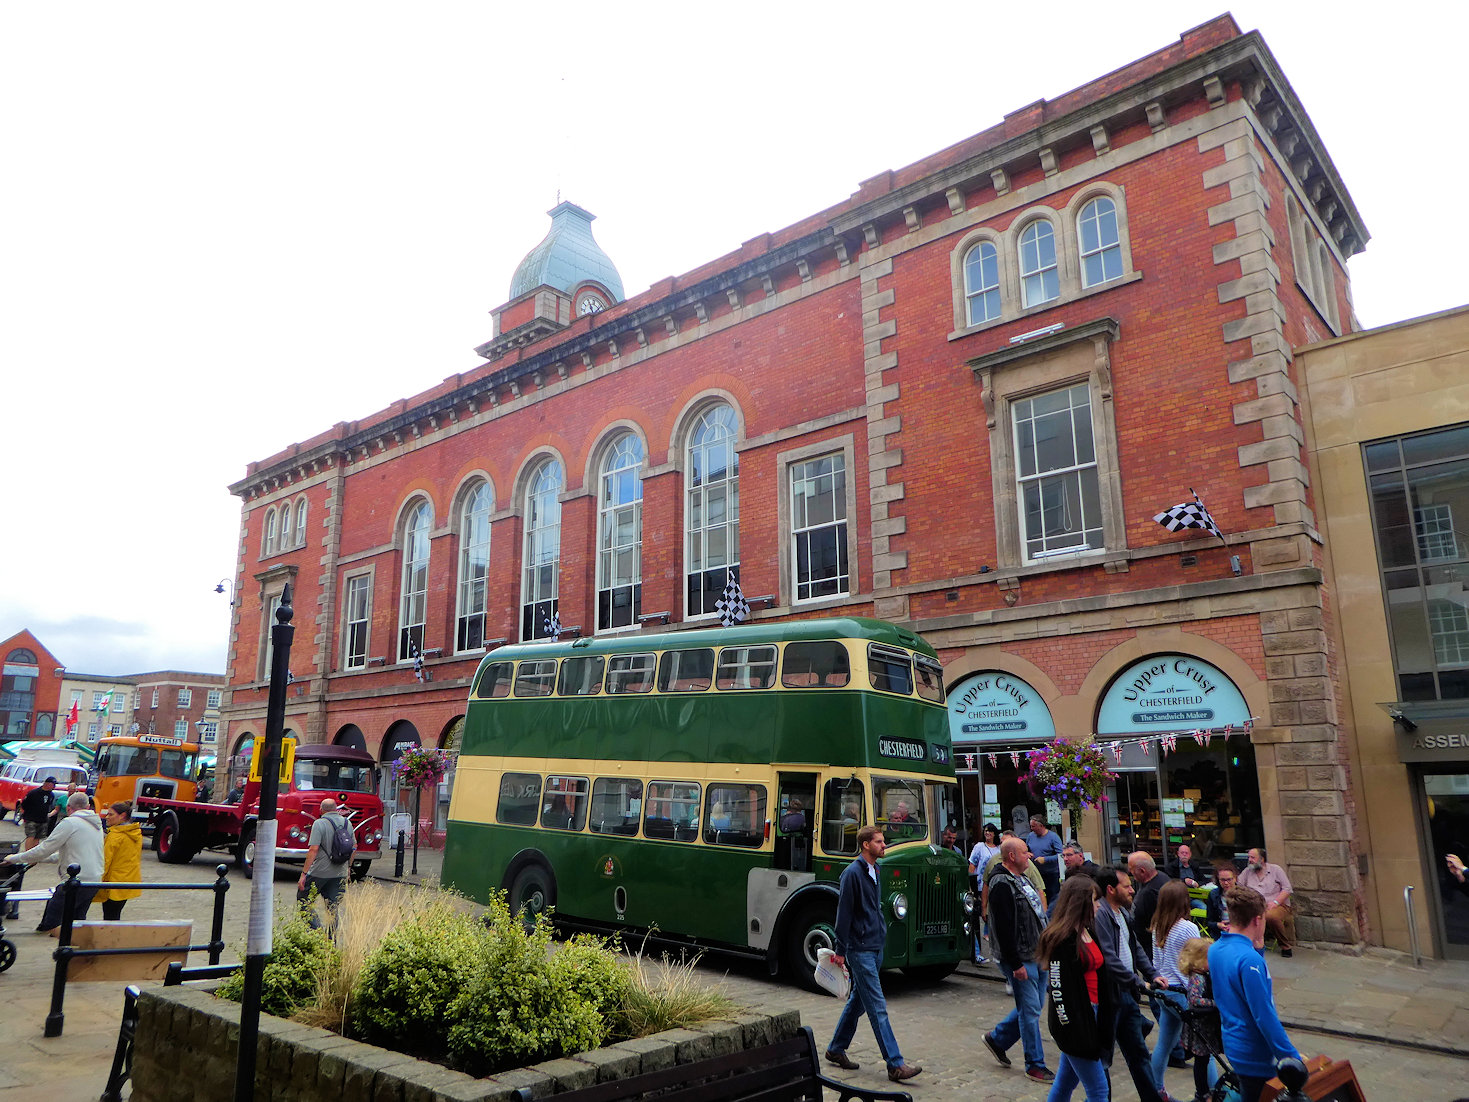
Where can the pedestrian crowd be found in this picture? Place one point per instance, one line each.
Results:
(1095, 950)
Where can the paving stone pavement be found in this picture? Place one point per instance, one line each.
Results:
(1378, 993)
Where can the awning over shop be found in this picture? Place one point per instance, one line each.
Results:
(9, 750)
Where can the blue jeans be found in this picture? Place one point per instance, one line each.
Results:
(1170, 1025)
(866, 998)
(1091, 1074)
(1134, 1048)
(1024, 1022)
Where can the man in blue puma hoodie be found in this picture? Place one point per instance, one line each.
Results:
(1254, 1039)
(860, 933)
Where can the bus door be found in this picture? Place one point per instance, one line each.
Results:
(795, 818)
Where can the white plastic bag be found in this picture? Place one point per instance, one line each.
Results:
(831, 977)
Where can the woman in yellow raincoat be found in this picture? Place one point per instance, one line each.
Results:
(122, 859)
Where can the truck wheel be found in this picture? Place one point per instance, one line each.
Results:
(169, 842)
(245, 852)
(533, 892)
(359, 870)
(812, 928)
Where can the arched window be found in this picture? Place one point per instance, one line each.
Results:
(413, 611)
(1101, 247)
(300, 540)
(620, 534)
(982, 283)
(1040, 279)
(18, 693)
(712, 516)
(267, 544)
(474, 568)
(541, 564)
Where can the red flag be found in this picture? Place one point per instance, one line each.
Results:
(73, 717)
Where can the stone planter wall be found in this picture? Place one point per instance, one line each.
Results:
(187, 1042)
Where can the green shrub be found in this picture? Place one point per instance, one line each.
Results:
(407, 985)
(669, 995)
(299, 958)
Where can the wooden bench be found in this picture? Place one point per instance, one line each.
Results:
(786, 1071)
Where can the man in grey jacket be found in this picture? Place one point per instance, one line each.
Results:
(1017, 916)
(1124, 958)
(77, 840)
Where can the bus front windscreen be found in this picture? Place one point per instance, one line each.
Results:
(325, 775)
(900, 809)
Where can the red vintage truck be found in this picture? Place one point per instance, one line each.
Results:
(182, 828)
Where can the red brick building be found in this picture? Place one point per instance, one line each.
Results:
(954, 400)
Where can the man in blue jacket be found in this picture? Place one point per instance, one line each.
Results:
(860, 933)
(1254, 1039)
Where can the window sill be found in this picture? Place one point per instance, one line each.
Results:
(1032, 311)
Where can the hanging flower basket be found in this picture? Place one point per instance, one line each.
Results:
(421, 768)
(1070, 772)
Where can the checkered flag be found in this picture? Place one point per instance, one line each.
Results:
(551, 625)
(732, 606)
(1190, 514)
(417, 661)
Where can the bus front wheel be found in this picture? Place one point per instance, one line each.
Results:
(169, 842)
(814, 928)
(532, 892)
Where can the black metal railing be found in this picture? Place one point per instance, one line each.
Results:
(122, 1059)
(65, 952)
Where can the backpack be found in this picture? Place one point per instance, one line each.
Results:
(339, 849)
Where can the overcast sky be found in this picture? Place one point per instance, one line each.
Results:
(228, 227)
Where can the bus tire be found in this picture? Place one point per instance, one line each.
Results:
(359, 870)
(532, 892)
(245, 852)
(813, 927)
(930, 973)
(169, 841)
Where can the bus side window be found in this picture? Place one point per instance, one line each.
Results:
(818, 665)
(494, 680)
(616, 805)
(672, 811)
(686, 671)
(746, 668)
(536, 678)
(735, 815)
(890, 669)
(930, 678)
(520, 798)
(581, 676)
(843, 811)
(630, 673)
(566, 803)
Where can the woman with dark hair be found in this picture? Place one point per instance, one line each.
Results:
(1172, 930)
(1080, 992)
(987, 846)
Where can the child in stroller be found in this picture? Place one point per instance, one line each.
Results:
(1201, 1034)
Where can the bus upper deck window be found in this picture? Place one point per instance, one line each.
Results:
(494, 680)
(930, 678)
(520, 799)
(746, 668)
(630, 673)
(537, 678)
(686, 671)
(582, 676)
(890, 669)
(819, 665)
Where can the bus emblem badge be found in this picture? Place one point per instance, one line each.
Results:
(607, 868)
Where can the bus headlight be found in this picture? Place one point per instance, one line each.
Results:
(900, 905)
(969, 902)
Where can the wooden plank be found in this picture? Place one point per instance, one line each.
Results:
(132, 967)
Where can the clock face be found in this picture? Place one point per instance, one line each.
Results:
(590, 304)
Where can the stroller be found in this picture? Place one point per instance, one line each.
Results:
(8, 883)
(1202, 1038)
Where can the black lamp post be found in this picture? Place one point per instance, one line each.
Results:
(262, 886)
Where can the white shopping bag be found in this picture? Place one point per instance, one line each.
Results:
(831, 977)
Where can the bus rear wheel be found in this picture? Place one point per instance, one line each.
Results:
(532, 892)
(813, 928)
(169, 842)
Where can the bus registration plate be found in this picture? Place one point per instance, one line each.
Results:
(932, 928)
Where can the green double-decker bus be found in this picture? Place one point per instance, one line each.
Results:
(709, 784)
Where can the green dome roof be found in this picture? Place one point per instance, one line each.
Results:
(568, 257)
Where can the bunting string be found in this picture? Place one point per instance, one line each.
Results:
(1165, 741)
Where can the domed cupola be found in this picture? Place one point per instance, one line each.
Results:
(571, 261)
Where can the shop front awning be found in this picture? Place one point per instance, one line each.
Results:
(33, 748)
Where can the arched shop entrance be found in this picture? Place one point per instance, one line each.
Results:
(1178, 732)
(401, 737)
(994, 718)
(351, 735)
